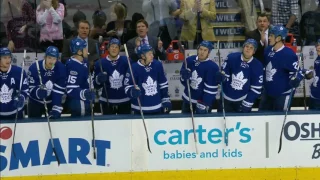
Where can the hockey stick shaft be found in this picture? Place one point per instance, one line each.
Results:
(190, 102)
(47, 115)
(301, 59)
(222, 100)
(138, 99)
(19, 92)
(101, 70)
(92, 113)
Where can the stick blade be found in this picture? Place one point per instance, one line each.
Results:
(149, 146)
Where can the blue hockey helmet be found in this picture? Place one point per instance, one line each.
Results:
(252, 42)
(143, 49)
(52, 51)
(76, 45)
(114, 41)
(279, 31)
(318, 42)
(206, 44)
(5, 52)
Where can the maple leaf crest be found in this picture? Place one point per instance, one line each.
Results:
(116, 80)
(150, 87)
(5, 94)
(270, 72)
(195, 80)
(238, 81)
(49, 86)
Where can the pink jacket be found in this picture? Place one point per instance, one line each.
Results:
(50, 21)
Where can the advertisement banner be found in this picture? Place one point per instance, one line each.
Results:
(32, 152)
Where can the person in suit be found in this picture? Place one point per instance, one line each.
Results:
(83, 32)
(143, 38)
(260, 35)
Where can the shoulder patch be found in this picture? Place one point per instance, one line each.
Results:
(29, 73)
(74, 73)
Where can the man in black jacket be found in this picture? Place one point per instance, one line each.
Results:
(260, 35)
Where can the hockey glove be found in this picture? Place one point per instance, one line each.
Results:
(220, 77)
(134, 93)
(89, 95)
(202, 108)
(185, 74)
(41, 93)
(308, 74)
(102, 78)
(166, 105)
(54, 114)
(18, 101)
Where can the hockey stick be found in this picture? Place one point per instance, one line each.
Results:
(104, 84)
(17, 111)
(46, 113)
(190, 103)
(285, 119)
(99, 5)
(92, 113)
(222, 99)
(135, 86)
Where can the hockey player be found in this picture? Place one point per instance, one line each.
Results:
(10, 78)
(242, 78)
(314, 102)
(53, 75)
(282, 72)
(79, 94)
(203, 85)
(114, 69)
(152, 84)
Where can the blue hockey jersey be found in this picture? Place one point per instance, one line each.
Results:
(53, 79)
(116, 71)
(280, 66)
(10, 85)
(78, 78)
(203, 84)
(244, 79)
(315, 86)
(152, 83)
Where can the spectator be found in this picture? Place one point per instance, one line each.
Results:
(118, 28)
(3, 36)
(260, 35)
(50, 14)
(207, 9)
(83, 33)
(162, 24)
(77, 17)
(99, 19)
(176, 11)
(23, 17)
(143, 38)
(132, 32)
(310, 26)
(286, 13)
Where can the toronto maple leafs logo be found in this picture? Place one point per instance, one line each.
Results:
(150, 87)
(113, 63)
(5, 94)
(195, 80)
(148, 68)
(238, 81)
(315, 80)
(49, 87)
(116, 80)
(271, 54)
(270, 72)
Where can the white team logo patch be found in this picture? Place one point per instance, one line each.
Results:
(195, 80)
(116, 80)
(150, 87)
(270, 72)
(238, 81)
(49, 87)
(5, 94)
(315, 80)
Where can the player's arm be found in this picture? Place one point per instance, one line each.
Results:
(25, 85)
(34, 82)
(185, 74)
(129, 86)
(96, 83)
(256, 80)
(210, 87)
(59, 88)
(163, 84)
